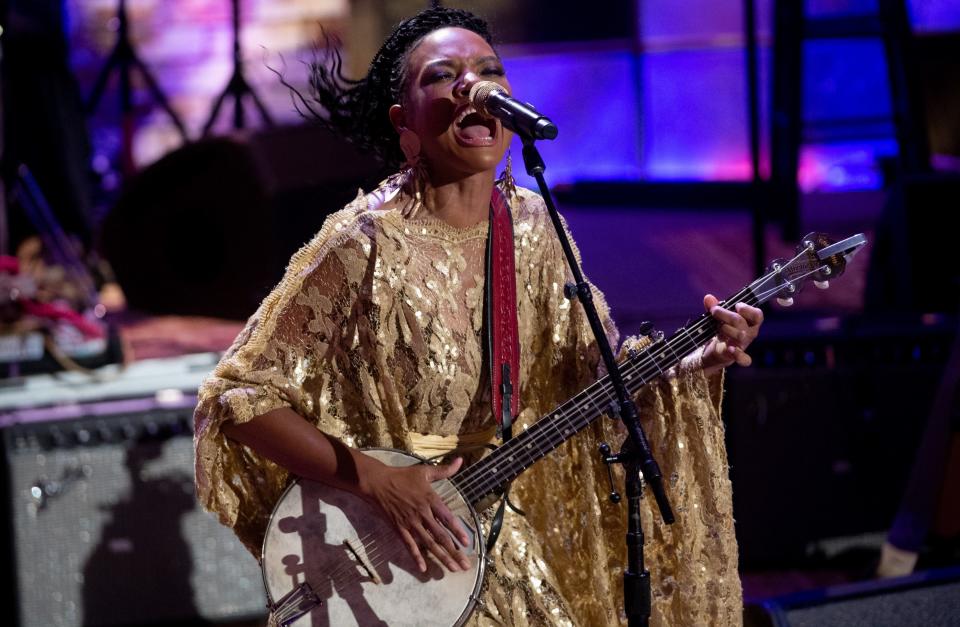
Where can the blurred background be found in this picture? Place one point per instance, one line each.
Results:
(156, 178)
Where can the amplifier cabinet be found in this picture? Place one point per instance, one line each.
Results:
(928, 598)
(106, 528)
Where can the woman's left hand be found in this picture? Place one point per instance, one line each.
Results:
(738, 328)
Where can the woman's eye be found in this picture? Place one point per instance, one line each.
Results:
(493, 71)
(440, 76)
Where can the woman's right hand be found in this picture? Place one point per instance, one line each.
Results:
(419, 514)
(403, 493)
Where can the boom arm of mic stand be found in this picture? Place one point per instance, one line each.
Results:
(628, 412)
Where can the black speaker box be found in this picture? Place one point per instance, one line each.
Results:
(822, 431)
(105, 525)
(926, 599)
(910, 266)
(939, 67)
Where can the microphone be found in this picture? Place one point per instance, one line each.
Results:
(492, 99)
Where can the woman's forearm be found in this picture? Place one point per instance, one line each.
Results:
(284, 437)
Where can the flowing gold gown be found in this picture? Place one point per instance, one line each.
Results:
(375, 333)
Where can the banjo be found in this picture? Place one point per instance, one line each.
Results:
(330, 558)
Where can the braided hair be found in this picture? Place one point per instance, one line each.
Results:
(358, 109)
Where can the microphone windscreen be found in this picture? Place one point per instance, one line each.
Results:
(480, 92)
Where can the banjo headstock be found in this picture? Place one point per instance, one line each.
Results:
(819, 259)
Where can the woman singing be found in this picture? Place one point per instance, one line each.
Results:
(374, 338)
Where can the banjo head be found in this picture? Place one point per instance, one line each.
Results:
(356, 566)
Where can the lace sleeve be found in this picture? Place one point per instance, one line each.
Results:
(300, 350)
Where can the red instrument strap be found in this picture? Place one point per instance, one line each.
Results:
(503, 338)
(504, 345)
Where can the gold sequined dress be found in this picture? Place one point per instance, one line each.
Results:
(375, 332)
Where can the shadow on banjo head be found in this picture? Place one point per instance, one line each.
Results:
(344, 543)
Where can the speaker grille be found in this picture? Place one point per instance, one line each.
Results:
(929, 598)
(936, 606)
(107, 529)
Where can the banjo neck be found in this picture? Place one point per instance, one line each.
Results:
(504, 464)
(818, 259)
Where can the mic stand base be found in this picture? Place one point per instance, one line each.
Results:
(636, 578)
(637, 600)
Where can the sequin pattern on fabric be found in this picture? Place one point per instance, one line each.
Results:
(375, 331)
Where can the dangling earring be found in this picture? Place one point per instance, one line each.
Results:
(506, 180)
(415, 177)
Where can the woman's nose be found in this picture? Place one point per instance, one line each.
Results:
(468, 80)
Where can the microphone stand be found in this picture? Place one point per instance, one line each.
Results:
(237, 85)
(123, 58)
(636, 456)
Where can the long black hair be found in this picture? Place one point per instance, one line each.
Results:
(358, 109)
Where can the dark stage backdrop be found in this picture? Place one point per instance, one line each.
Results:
(43, 123)
(208, 229)
(542, 21)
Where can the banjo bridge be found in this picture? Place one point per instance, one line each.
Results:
(359, 552)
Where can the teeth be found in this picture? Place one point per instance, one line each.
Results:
(465, 113)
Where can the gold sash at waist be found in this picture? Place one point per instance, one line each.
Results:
(430, 445)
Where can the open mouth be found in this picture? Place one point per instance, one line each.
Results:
(474, 129)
